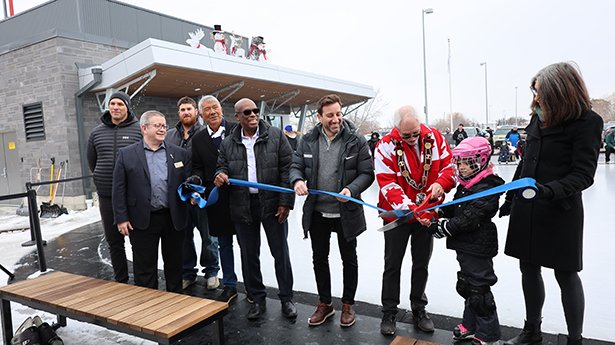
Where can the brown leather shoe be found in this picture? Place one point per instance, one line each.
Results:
(322, 313)
(347, 319)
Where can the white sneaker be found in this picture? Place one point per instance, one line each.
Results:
(213, 283)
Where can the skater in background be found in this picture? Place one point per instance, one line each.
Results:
(375, 138)
(474, 237)
(561, 153)
(459, 134)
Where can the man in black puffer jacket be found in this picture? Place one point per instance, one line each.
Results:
(119, 128)
(257, 152)
(333, 157)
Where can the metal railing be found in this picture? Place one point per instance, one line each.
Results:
(35, 224)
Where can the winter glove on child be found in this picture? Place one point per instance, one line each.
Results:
(439, 229)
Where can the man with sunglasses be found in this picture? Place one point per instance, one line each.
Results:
(257, 152)
(412, 163)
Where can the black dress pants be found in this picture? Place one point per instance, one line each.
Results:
(249, 238)
(395, 244)
(114, 239)
(145, 252)
(320, 235)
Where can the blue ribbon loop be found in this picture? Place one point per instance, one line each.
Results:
(187, 191)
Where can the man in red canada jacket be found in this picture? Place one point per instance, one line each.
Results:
(411, 162)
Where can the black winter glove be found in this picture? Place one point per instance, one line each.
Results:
(439, 229)
(505, 209)
(544, 192)
(541, 192)
(194, 179)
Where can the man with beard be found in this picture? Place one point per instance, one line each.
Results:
(181, 135)
(333, 157)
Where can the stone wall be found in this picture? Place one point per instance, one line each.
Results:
(46, 72)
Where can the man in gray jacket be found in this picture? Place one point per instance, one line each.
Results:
(257, 152)
(333, 157)
(119, 128)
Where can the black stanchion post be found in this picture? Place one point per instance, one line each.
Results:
(35, 228)
(32, 237)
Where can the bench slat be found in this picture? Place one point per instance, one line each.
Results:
(138, 321)
(82, 295)
(99, 297)
(181, 320)
(123, 304)
(145, 304)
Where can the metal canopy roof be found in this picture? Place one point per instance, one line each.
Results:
(180, 70)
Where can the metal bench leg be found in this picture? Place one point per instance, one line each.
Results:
(220, 333)
(7, 321)
(60, 323)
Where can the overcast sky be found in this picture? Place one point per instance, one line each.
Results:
(379, 43)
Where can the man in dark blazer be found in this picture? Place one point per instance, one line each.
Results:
(205, 148)
(146, 205)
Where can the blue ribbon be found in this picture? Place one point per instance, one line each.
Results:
(279, 189)
(523, 183)
(194, 191)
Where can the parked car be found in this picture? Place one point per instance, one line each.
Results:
(500, 134)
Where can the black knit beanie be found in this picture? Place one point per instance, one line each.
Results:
(123, 96)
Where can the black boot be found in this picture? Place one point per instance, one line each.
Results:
(530, 334)
(574, 341)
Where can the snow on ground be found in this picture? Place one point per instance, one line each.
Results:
(598, 260)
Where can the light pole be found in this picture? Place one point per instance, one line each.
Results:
(425, 11)
(516, 115)
(486, 96)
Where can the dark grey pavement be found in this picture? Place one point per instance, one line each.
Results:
(78, 252)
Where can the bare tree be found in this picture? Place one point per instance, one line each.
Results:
(366, 117)
(605, 107)
(443, 124)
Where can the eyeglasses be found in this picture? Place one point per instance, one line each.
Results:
(158, 126)
(407, 136)
(249, 112)
(534, 91)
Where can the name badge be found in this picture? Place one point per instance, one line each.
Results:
(179, 164)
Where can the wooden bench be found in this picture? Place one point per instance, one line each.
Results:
(160, 316)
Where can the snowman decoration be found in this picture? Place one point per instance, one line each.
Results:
(237, 46)
(195, 39)
(219, 39)
(258, 50)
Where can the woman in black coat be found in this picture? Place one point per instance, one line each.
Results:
(561, 153)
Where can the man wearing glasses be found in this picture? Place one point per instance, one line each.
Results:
(412, 163)
(146, 205)
(257, 152)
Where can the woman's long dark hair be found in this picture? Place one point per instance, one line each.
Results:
(561, 92)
